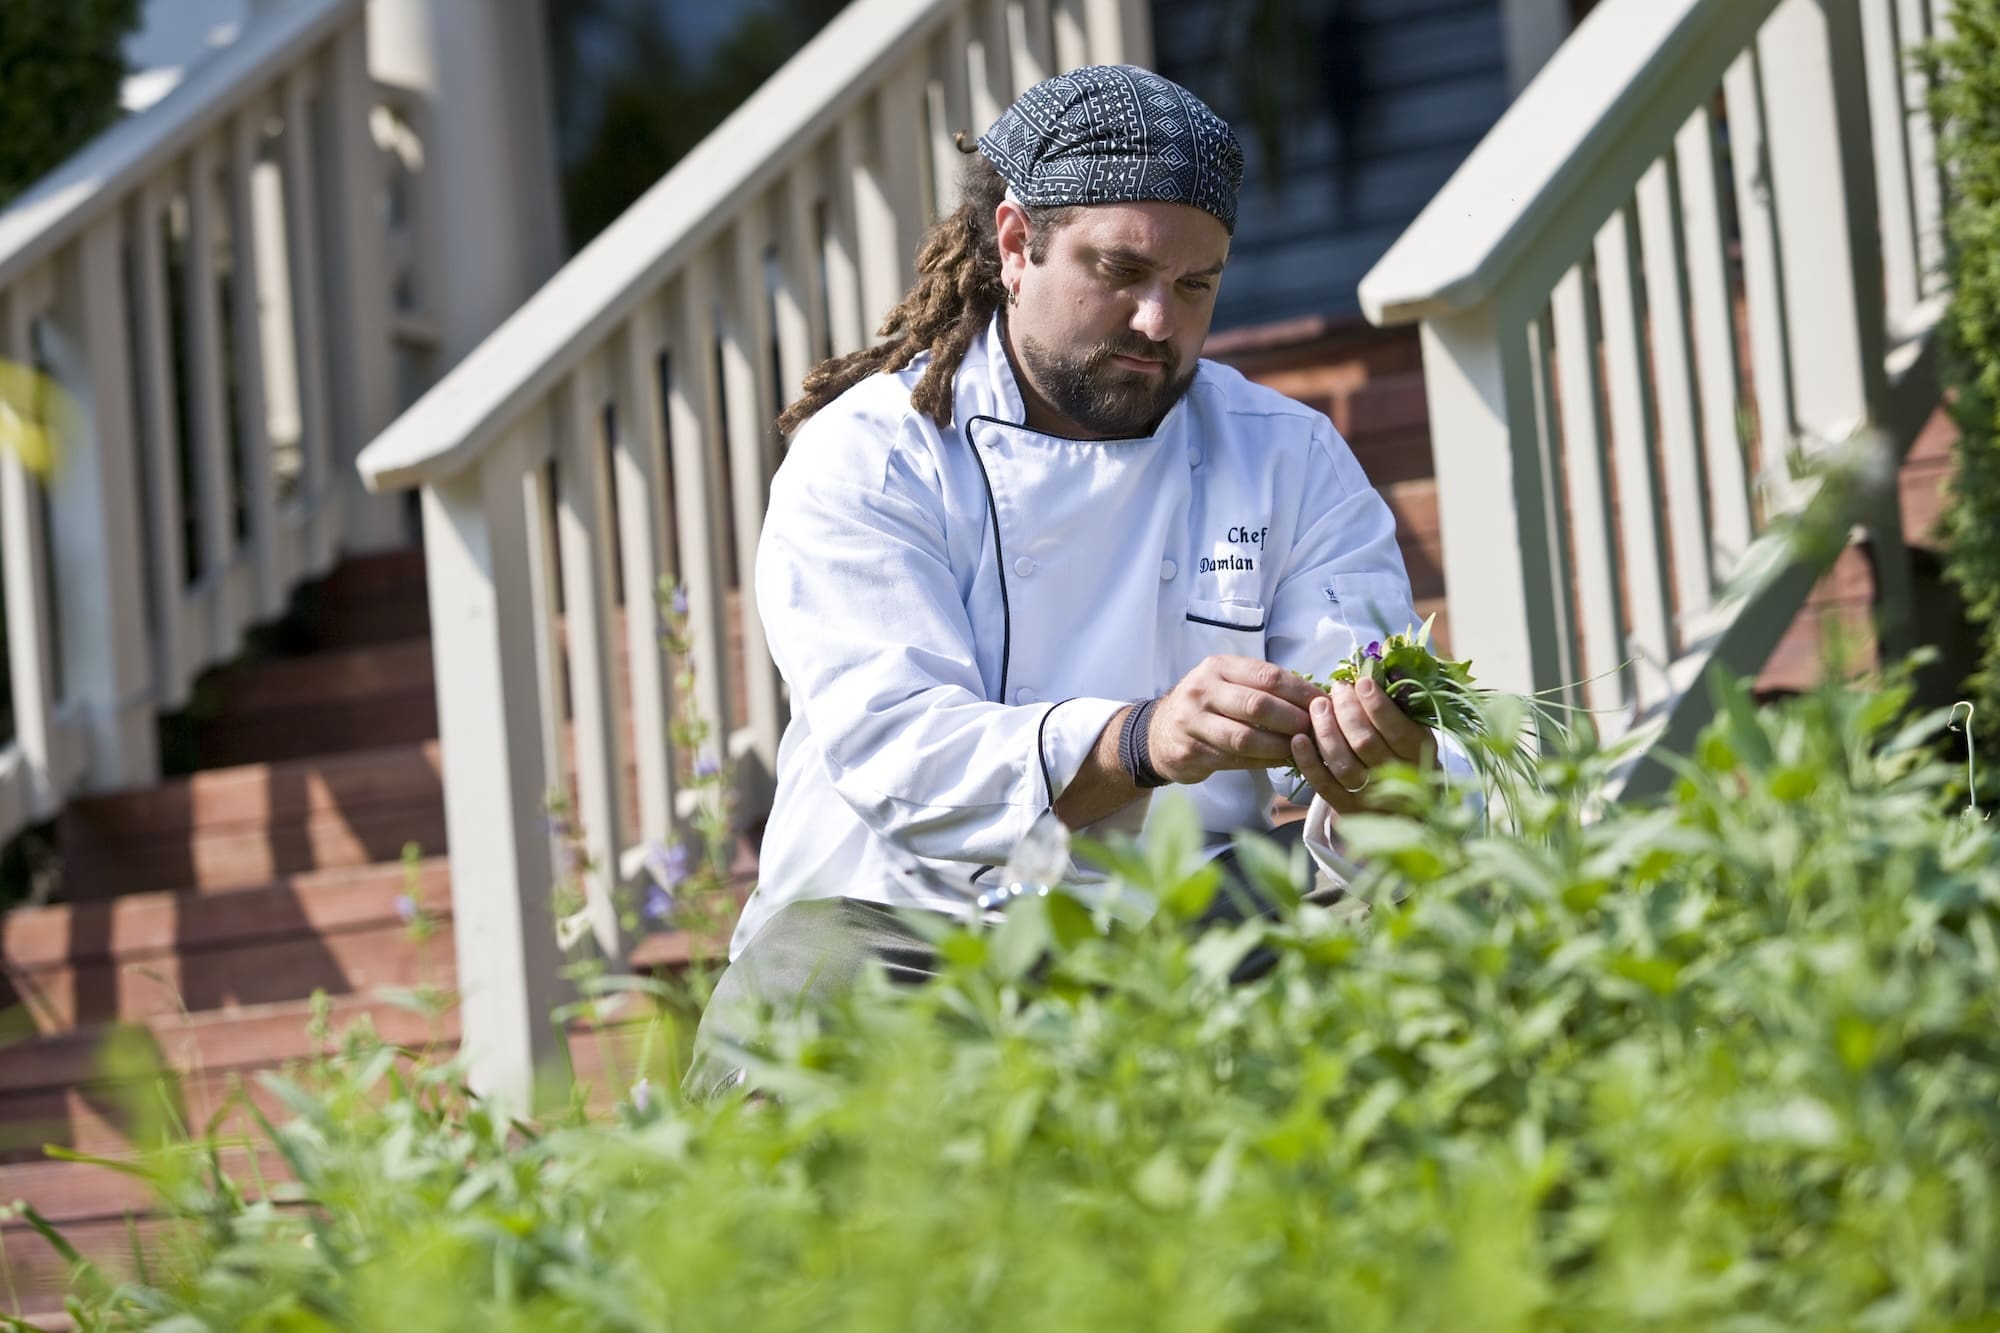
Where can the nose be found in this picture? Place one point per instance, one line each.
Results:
(1152, 315)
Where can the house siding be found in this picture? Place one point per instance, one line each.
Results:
(1388, 98)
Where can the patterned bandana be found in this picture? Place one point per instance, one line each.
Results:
(1112, 134)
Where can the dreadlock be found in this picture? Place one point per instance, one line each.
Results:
(958, 288)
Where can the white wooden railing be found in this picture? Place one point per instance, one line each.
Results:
(1603, 458)
(620, 426)
(208, 281)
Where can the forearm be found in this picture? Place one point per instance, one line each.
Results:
(1101, 786)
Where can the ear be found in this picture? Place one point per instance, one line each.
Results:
(1010, 226)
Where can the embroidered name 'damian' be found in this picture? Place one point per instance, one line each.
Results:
(1238, 536)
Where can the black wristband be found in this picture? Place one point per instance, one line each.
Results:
(1138, 753)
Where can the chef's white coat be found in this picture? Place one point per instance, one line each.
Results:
(959, 611)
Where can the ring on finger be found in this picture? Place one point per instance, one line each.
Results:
(1356, 791)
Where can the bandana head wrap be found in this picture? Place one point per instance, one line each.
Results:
(1114, 134)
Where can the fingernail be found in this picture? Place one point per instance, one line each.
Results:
(1368, 685)
(1321, 705)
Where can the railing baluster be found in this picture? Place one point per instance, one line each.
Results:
(847, 317)
(1926, 181)
(208, 414)
(1644, 556)
(1819, 167)
(988, 63)
(950, 109)
(1666, 310)
(1763, 296)
(1072, 22)
(538, 503)
(1600, 614)
(746, 389)
(694, 432)
(357, 286)
(1712, 315)
(174, 663)
(302, 236)
(1888, 123)
(30, 654)
(801, 308)
(887, 193)
(584, 518)
(639, 461)
(268, 591)
(1029, 38)
(95, 537)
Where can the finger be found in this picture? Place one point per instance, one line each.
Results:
(1305, 755)
(1237, 744)
(1270, 679)
(1408, 739)
(1339, 757)
(1358, 729)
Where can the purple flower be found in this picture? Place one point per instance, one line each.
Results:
(642, 1095)
(406, 908)
(680, 599)
(667, 865)
(1374, 649)
(657, 904)
(706, 765)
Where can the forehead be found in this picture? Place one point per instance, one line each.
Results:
(1176, 234)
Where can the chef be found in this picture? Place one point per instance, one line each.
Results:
(1030, 554)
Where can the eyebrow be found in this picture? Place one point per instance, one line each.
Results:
(1124, 256)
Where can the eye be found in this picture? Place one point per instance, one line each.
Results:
(1197, 284)
(1120, 272)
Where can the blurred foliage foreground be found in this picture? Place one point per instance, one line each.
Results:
(1732, 1062)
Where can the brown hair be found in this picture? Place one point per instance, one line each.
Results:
(958, 289)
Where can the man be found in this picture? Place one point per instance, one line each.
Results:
(1031, 553)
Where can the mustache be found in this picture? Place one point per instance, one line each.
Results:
(1138, 345)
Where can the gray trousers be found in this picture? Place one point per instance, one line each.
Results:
(811, 952)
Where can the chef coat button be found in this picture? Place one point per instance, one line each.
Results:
(1024, 695)
(1194, 456)
(1024, 566)
(1167, 570)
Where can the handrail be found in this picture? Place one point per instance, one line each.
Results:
(1706, 239)
(1578, 114)
(62, 205)
(205, 281)
(539, 345)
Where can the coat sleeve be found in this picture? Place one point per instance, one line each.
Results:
(865, 620)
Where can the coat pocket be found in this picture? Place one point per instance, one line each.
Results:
(1247, 617)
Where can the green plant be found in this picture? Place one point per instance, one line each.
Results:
(61, 67)
(1732, 1062)
(1967, 105)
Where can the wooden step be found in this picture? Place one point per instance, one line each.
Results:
(307, 729)
(228, 858)
(336, 676)
(376, 577)
(252, 825)
(257, 795)
(148, 955)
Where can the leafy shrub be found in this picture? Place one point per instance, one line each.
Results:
(61, 66)
(1728, 1063)
(1968, 104)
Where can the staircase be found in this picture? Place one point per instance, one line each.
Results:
(199, 915)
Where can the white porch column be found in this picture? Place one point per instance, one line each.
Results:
(476, 555)
(480, 68)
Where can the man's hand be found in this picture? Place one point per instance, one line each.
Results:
(1227, 713)
(1354, 730)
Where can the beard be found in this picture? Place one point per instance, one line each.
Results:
(1099, 395)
